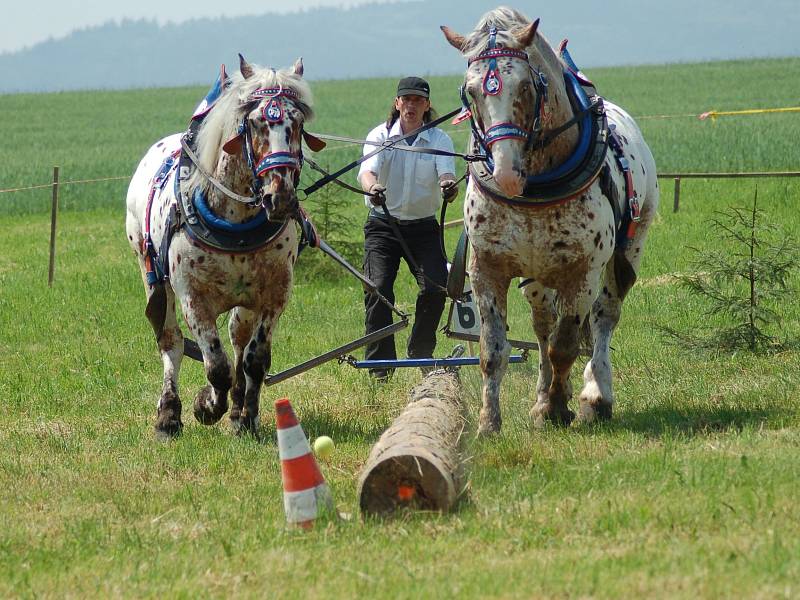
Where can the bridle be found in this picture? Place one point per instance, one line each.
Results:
(492, 86)
(273, 112)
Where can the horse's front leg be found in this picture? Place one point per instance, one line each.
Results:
(562, 351)
(240, 327)
(211, 402)
(491, 289)
(251, 337)
(543, 318)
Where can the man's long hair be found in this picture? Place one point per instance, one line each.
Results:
(394, 114)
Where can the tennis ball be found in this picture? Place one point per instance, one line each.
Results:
(323, 447)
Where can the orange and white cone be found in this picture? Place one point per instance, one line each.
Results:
(305, 493)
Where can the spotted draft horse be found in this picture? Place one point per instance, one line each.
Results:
(563, 201)
(211, 224)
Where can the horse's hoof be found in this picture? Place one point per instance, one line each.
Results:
(593, 412)
(204, 411)
(168, 430)
(489, 425)
(542, 415)
(604, 411)
(245, 425)
(564, 417)
(168, 422)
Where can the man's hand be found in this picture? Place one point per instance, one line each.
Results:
(449, 190)
(377, 193)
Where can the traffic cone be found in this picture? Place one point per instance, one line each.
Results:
(305, 493)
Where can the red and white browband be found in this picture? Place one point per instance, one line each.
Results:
(273, 110)
(500, 53)
(272, 92)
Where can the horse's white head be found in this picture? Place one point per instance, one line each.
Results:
(502, 90)
(259, 121)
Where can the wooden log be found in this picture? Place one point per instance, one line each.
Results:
(417, 462)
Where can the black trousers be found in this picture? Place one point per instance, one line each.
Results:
(382, 254)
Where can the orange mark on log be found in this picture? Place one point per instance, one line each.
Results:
(406, 492)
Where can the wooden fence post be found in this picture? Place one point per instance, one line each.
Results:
(677, 200)
(53, 219)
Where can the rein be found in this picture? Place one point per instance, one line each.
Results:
(393, 224)
(390, 144)
(381, 147)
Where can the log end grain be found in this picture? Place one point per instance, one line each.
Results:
(406, 481)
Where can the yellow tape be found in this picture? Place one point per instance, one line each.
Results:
(713, 114)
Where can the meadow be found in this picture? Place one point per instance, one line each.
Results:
(689, 492)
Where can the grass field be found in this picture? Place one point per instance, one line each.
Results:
(689, 492)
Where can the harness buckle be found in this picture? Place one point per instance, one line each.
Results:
(635, 209)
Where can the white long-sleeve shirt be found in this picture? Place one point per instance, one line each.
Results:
(411, 178)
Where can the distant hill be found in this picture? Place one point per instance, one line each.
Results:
(395, 39)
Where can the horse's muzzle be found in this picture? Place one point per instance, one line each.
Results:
(279, 198)
(508, 173)
(510, 181)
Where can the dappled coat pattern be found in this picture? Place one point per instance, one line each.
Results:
(575, 273)
(256, 285)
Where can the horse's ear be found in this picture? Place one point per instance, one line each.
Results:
(525, 35)
(298, 67)
(456, 40)
(233, 145)
(245, 68)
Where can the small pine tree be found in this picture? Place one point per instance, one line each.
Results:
(328, 208)
(743, 280)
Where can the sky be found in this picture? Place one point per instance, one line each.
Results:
(30, 22)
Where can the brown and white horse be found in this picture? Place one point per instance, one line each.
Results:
(250, 143)
(543, 209)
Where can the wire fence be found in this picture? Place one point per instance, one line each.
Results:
(677, 178)
(712, 114)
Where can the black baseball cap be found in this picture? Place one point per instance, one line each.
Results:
(413, 86)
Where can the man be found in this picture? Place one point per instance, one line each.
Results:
(412, 186)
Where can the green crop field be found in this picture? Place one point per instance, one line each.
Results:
(691, 490)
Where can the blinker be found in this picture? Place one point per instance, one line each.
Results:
(462, 116)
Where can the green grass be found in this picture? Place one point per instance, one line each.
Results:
(689, 492)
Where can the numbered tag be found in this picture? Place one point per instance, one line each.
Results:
(464, 315)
